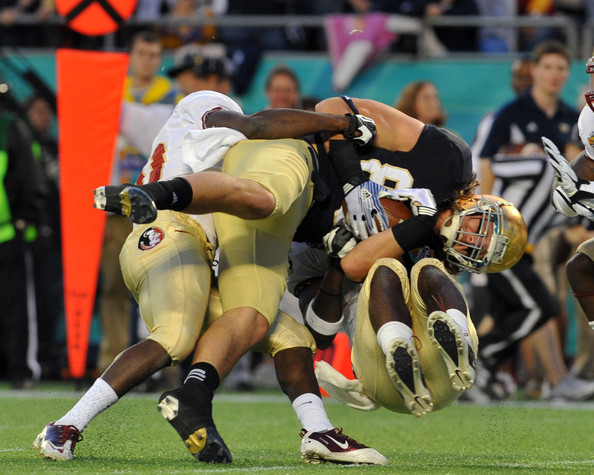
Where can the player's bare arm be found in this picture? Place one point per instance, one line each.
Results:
(356, 264)
(396, 131)
(583, 166)
(284, 123)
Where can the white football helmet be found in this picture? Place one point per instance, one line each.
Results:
(497, 243)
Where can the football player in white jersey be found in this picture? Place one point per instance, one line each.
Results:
(167, 266)
(573, 195)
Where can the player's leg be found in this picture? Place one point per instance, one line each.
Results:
(292, 347)
(446, 333)
(580, 274)
(167, 267)
(198, 193)
(252, 278)
(384, 339)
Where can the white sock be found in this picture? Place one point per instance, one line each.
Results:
(99, 397)
(311, 413)
(591, 325)
(389, 331)
(461, 321)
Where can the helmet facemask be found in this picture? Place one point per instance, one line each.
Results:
(479, 249)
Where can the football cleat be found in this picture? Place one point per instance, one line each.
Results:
(57, 442)
(404, 368)
(335, 447)
(127, 200)
(202, 440)
(452, 344)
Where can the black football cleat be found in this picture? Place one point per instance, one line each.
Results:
(202, 439)
(127, 200)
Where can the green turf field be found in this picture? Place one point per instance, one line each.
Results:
(262, 434)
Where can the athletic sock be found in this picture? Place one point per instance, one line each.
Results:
(389, 331)
(201, 383)
(175, 194)
(99, 397)
(202, 375)
(311, 413)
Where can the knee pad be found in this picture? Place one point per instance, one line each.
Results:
(284, 333)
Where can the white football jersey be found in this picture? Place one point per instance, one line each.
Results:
(183, 146)
(586, 130)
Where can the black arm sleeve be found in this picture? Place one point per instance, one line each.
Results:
(345, 160)
(414, 232)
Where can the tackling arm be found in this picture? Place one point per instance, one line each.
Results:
(292, 123)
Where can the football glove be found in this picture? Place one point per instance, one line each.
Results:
(339, 241)
(365, 215)
(360, 123)
(564, 205)
(573, 195)
(421, 200)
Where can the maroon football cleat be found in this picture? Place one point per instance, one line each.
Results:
(336, 447)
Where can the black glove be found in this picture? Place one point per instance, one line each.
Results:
(340, 241)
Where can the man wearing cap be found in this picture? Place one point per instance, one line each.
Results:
(199, 69)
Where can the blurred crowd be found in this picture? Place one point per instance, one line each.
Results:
(554, 358)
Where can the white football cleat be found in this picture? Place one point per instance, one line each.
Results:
(404, 368)
(57, 442)
(335, 447)
(452, 343)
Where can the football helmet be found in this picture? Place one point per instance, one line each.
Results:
(496, 243)
(590, 94)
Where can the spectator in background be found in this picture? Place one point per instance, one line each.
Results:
(420, 99)
(200, 68)
(450, 38)
(531, 36)
(39, 35)
(282, 88)
(514, 166)
(143, 86)
(247, 44)
(47, 248)
(176, 36)
(21, 192)
(521, 81)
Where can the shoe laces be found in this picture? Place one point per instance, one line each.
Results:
(67, 433)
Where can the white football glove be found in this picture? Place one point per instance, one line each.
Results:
(365, 215)
(421, 200)
(340, 241)
(364, 125)
(573, 195)
(564, 205)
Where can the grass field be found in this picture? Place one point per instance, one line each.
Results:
(262, 434)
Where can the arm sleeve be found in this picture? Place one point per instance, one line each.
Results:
(414, 232)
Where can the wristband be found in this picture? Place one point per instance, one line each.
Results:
(321, 326)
